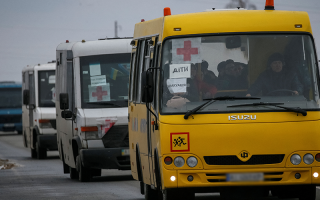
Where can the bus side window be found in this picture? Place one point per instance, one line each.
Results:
(139, 65)
(132, 70)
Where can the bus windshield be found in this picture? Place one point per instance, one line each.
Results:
(105, 80)
(10, 98)
(46, 82)
(277, 68)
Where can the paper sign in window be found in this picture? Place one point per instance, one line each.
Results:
(52, 79)
(177, 85)
(95, 69)
(99, 93)
(180, 71)
(186, 50)
(53, 90)
(98, 80)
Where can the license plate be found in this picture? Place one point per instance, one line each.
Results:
(125, 152)
(8, 125)
(241, 177)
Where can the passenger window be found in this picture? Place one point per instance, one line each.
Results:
(70, 85)
(133, 60)
(139, 70)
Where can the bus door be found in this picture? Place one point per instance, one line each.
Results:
(32, 104)
(150, 62)
(26, 111)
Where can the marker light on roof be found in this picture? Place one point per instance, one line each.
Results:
(269, 5)
(142, 20)
(166, 11)
(67, 41)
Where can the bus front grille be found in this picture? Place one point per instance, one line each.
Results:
(254, 160)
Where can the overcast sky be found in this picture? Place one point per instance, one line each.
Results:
(30, 30)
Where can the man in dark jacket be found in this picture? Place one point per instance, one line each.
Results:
(276, 80)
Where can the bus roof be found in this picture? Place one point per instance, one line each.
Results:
(40, 67)
(226, 21)
(97, 47)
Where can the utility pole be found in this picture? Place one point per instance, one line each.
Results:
(115, 29)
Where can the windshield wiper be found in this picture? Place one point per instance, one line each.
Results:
(297, 110)
(190, 112)
(105, 103)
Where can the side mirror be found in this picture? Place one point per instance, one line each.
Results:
(66, 114)
(64, 101)
(147, 86)
(233, 42)
(26, 97)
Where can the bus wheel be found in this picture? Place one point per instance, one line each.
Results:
(73, 173)
(41, 152)
(174, 194)
(308, 192)
(19, 132)
(33, 153)
(149, 193)
(84, 173)
(95, 172)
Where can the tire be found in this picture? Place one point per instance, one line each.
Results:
(95, 172)
(84, 173)
(141, 187)
(73, 173)
(41, 152)
(174, 194)
(149, 193)
(34, 153)
(308, 192)
(19, 132)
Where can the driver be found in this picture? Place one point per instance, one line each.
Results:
(276, 79)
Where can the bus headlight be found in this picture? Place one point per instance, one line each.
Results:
(295, 159)
(192, 161)
(91, 135)
(308, 159)
(178, 161)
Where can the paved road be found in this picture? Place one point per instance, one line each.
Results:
(34, 179)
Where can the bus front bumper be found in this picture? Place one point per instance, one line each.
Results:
(217, 178)
(108, 158)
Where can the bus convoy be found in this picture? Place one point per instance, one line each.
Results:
(217, 101)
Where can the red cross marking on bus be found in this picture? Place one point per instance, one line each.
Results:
(99, 93)
(187, 51)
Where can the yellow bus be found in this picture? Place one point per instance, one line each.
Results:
(225, 101)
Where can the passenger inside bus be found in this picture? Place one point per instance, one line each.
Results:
(277, 80)
(196, 89)
(232, 76)
(209, 76)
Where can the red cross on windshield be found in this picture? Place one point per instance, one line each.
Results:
(187, 51)
(99, 93)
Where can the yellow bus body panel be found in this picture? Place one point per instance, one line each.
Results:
(214, 134)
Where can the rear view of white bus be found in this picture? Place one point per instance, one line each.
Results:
(92, 99)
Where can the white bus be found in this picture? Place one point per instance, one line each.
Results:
(38, 109)
(92, 99)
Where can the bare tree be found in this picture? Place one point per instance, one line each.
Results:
(242, 4)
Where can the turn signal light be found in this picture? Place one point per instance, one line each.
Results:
(318, 157)
(89, 128)
(44, 121)
(168, 160)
